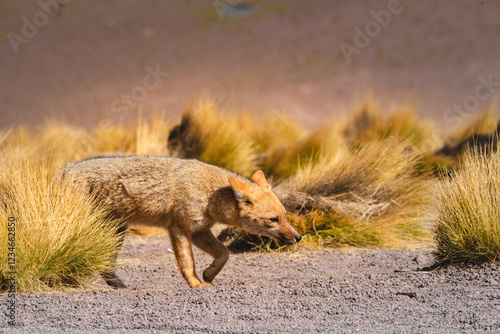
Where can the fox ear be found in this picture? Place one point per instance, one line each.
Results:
(240, 189)
(260, 179)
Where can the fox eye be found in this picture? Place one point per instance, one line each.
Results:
(248, 202)
(274, 220)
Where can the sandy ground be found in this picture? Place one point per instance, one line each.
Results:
(306, 291)
(286, 58)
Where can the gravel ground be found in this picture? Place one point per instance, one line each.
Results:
(304, 291)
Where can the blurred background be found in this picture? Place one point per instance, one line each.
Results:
(88, 62)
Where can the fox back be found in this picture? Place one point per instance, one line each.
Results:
(149, 190)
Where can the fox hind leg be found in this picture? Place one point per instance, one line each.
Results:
(207, 242)
(112, 280)
(110, 277)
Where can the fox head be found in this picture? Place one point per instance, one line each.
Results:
(260, 210)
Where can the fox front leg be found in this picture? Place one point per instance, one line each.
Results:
(207, 242)
(181, 243)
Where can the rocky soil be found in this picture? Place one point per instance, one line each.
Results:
(305, 291)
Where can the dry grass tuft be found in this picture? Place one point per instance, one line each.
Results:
(370, 124)
(107, 138)
(60, 237)
(468, 211)
(374, 189)
(209, 136)
(283, 162)
(152, 136)
(485, 124)
(59, 143)
(274, 131)
(482, 134)
(148, 137)
(370, 195)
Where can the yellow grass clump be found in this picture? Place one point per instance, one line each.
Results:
(147, 137)
(370, 195)
(485, 124)
(214, 138)
(467, 211)
(58, 143)
(60, 237)
(273, 131)
(480, 134)
(283, 162)
(369, 123)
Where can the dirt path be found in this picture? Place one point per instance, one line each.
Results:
(306, 291)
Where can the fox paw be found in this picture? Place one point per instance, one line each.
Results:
(206, 284)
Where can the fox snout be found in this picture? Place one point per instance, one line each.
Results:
(289, 241)
(284, 232)
(289, 237)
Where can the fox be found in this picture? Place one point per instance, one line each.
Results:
(186, 197)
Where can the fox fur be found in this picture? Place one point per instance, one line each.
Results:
(186, 197)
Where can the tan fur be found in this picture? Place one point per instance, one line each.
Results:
(187, 197)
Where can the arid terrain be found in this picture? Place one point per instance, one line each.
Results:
(99, 65)
(305, 291)
(285, 57)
